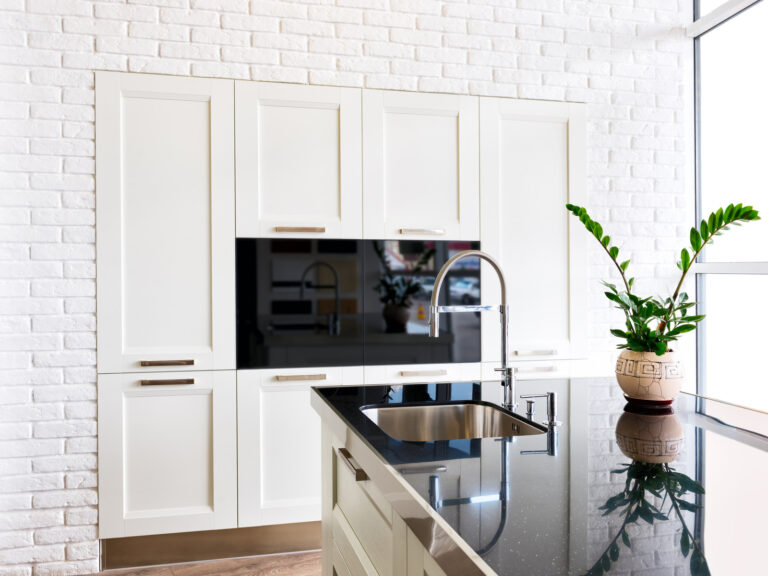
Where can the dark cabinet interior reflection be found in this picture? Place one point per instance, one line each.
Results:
(308, 302)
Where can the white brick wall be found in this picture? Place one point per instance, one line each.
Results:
(628, 59)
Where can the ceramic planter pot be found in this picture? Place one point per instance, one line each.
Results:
(647, 378)
(396, 317)
(656, 438)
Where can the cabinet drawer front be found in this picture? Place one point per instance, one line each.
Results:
(349, 552)
(165, 208)
(368, 513)
(408, 373)
(167, 453)
(538, 370)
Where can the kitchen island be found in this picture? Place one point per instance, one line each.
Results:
(547, 500)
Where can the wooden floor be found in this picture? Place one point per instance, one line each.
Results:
(299, 564)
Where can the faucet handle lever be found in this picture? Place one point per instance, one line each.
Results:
(551, 406)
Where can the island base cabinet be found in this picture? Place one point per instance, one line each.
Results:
(167, 453)
(418, 560)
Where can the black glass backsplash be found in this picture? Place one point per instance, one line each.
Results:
(309, 302)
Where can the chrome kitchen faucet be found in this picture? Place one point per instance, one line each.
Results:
(508, 372)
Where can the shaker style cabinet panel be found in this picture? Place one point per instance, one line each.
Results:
(279, 443)
(167, 452)
(532, 162)
(165, 223)
(298, 161)
(420, 166)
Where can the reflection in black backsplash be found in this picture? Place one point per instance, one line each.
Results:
(307, 302)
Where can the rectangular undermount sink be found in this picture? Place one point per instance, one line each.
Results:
(448, 422)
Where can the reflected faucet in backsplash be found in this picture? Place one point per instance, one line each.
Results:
(653, 439)
(334, 326)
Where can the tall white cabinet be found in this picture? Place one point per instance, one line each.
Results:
(298, 161)
(166, 304)
(532, 163)
(165, 223)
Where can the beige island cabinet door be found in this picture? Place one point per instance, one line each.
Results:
(298, 161)
(420, 166)
(165, 229)
(167, 452)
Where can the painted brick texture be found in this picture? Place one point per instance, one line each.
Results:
(628, 59)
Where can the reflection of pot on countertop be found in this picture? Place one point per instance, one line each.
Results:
(655, 437)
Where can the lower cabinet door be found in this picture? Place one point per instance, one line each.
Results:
(279, 446)
(167, 452)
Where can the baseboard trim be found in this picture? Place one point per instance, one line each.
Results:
(208, 545)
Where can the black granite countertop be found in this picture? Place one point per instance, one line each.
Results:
(611, 490)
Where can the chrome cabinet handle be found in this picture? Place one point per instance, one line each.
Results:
(422, 231)
(168, 382)
(411, 373)
(359, 473)
(534, 352)
(318, 229)
(536, 369)
(299, 377)
(167, 363)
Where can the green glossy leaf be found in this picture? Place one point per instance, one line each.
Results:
(728, 216)
(614, 552)
(704, 230)
(685, 258)
(625, 539)
(685, 543)
(624, 265)
(606, 241)
(719, 217)
(695, 239)
(606, 562)
(614, 252)
(712, 222)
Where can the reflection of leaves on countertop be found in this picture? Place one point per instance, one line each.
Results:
(645, 480)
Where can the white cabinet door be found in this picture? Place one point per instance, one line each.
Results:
(165, 223)
(167, 452)
(532, 163)
(298, 161)
(279, 443)
(420, 166)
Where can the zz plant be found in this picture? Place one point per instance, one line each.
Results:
(652, 323)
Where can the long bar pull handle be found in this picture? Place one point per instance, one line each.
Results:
(167, 363)
(299, 377)
(317, 229)
(168, 382)
(534, 352)
(422, 231)
(412, 373)
(346, 457)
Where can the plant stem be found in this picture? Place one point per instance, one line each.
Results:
(618, 266)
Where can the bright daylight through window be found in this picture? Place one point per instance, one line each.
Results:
(732, 277)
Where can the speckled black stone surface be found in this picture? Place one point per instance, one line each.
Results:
(544, 517)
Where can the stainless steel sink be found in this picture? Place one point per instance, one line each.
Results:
(448, 422)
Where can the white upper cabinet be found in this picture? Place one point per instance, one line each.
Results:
(420, 166)
(299, 157)
(533, 162)
(165, 223)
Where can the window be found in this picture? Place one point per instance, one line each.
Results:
(732, 153)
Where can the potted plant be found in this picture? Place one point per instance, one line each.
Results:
(648, 370)
(396, 290)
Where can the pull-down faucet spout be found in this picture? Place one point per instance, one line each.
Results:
(508, 372)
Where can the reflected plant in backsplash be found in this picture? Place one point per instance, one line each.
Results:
(645, 483)
(647, 369)
(396, 290)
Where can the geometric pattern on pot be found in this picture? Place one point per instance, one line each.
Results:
(649, 368)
